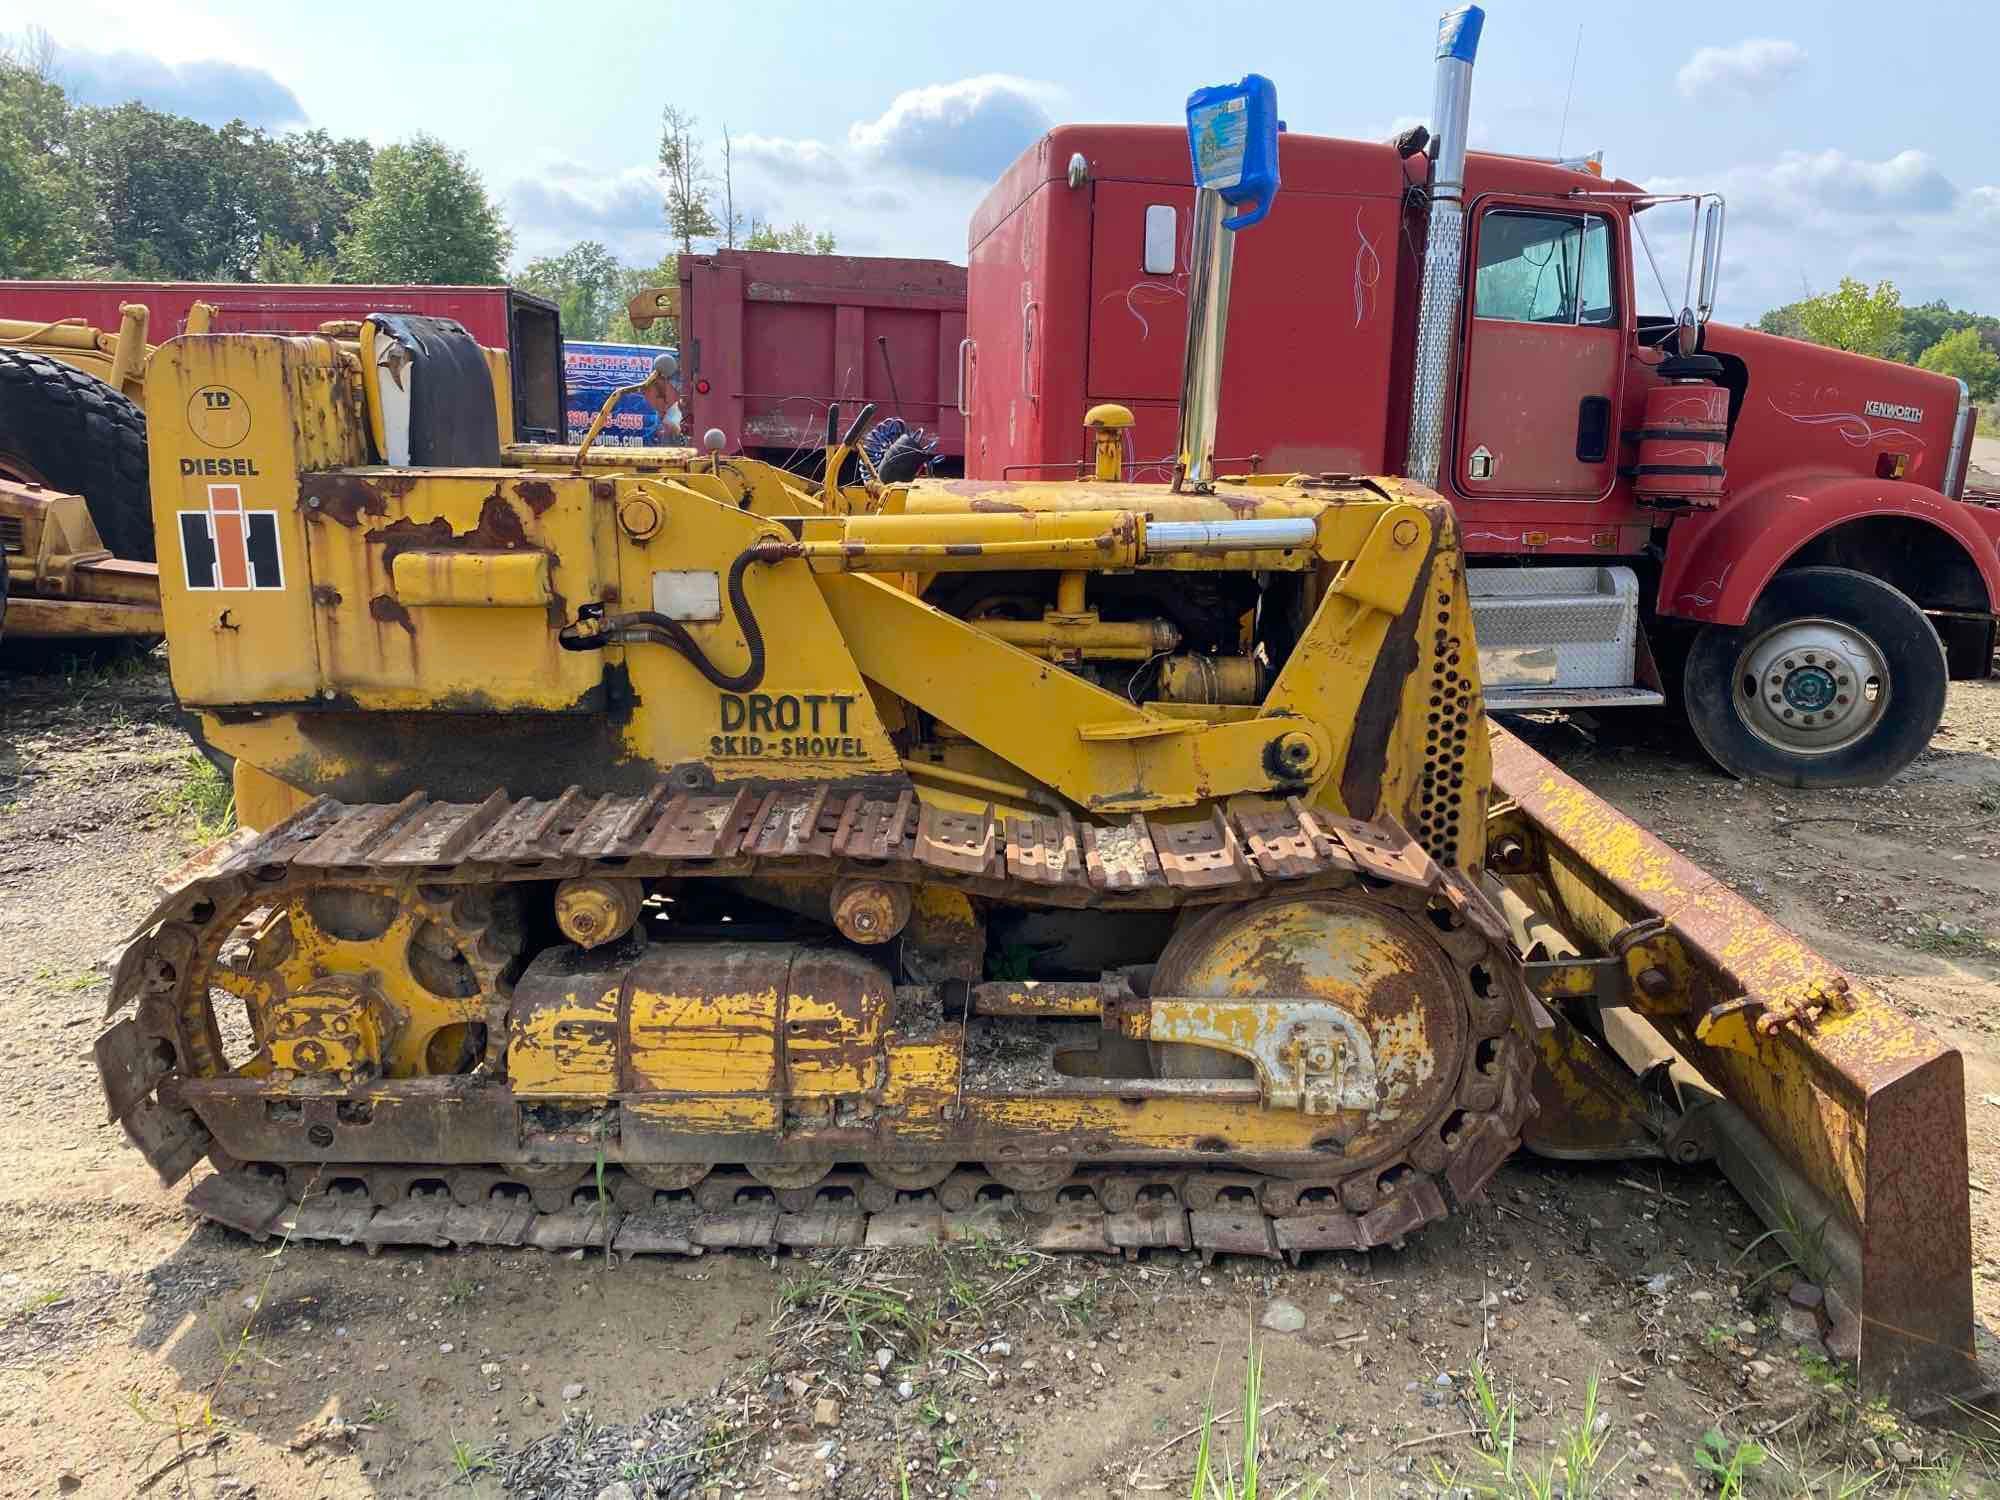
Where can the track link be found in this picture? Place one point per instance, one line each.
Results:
(1112, 1212)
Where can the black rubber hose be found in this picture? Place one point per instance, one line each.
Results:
(648, 625)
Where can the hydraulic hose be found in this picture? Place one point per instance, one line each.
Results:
(664, 630)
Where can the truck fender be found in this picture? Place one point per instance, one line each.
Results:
(1716, 565)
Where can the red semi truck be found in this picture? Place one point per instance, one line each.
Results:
(1770, 531)
(770, 340)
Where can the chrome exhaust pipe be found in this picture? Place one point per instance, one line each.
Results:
(1444, 248)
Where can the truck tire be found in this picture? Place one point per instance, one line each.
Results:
(70, 431)
(1836, 679)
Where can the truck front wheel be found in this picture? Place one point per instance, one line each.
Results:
(1836, 679)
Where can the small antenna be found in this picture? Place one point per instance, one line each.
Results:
(1575, 52)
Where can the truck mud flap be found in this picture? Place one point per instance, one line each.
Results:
(1840, 1119)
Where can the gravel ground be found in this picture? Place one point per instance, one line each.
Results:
(140, 1353)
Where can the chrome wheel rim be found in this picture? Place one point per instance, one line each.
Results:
(1812, 686)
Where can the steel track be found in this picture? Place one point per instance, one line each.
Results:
(432, 848)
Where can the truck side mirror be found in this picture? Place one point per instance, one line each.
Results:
(1711, 259)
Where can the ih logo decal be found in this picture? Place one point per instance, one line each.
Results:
(228, 547)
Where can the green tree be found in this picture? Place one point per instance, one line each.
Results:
(1926, 325)
(1783, 321)
(797, 239)
(324, 180)
(1965, 355)
(39, 219)
(1855, 317)
(426, 220)
(159, 202)
(685, 179)
(282, 264)
(663, 332)
(583, 282)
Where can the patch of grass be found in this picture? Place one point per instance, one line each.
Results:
(1217, 1475)
(1080, 1310)
(1725, 1463)
(1949, 937)
(468, 1461)
(202, 798)
(869, 1305)
(1827, 1374)
(68, 981)
(378, 1411)
(42, 1301)
(1575, 1470)
(1805, 1243)
(460, 1291)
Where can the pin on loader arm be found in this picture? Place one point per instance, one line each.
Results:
(1840, 1119)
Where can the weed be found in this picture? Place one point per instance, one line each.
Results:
(1080, 1309)
(233, 1352)
(1725, 1463)
(1947, 936)
(716, 1443)
(1573, 1471)
(468, 1461)
(67, 981)
(201, 798)
(378, 1412)
(603, 1204)
(1827, 1374)
(1216, 1475)
(1805, 1243)
(459, 1292)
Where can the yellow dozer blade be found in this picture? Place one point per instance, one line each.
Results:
(1835, 1115)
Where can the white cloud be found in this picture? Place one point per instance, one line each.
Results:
(1801, 188)
(786, 158)
(904, 182)
(211, 91)
(1746, 69)
(1803, 221)
(973, 127)
(568, 194)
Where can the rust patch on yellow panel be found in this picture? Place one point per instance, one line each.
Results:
(347, 497)
(384, 610)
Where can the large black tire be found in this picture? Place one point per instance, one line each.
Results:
(70, 431)
(1836, 679)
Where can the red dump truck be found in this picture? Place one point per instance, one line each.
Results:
(769, 341)
(1656, 506)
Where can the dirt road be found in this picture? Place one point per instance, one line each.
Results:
(142, 1354)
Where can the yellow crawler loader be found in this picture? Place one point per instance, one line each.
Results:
(658, 851)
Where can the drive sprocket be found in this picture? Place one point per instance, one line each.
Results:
(352, 980)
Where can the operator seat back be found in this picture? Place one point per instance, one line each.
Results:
(429, 393)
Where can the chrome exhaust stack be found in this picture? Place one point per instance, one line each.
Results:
(1444, 248)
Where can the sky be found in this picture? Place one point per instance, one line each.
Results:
(1850, 138)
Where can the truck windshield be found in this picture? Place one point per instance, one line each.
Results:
(1544, 268)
